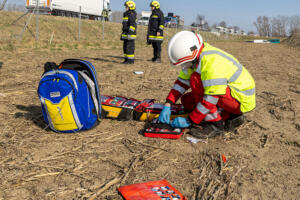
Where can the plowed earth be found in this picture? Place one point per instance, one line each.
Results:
(263, 157)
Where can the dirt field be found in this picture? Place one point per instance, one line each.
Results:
(263, 157)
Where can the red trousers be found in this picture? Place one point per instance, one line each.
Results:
(190, 100)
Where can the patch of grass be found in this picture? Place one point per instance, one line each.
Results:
(293, 143)
(10, 46)
(63, 31)
(68, 46)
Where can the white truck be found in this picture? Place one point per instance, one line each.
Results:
(145, 16)
(92, 9)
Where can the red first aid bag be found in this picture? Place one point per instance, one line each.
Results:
(155, 129)
(154, 190)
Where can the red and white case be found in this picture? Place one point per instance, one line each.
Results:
(153, 190)
(158, 130)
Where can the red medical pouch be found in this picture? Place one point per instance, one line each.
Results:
(120, 108)
(158, 130)
(154, 190)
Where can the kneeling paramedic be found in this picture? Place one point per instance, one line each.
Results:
(129, 32)
(221, 88)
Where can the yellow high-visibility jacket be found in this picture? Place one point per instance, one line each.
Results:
(218, 70)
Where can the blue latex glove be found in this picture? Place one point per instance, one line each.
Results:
(180, 122)
(165, 114)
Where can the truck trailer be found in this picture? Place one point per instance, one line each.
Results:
(92, 9)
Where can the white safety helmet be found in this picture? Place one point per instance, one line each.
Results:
(184, 47)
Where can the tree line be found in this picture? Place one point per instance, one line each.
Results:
(280, 26)
(202, 23)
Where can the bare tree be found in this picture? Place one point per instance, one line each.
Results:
(201, 22)
(223, 24)
(294, 24)
(279, 26)
(236, 28)
(3, 4)
(263, 26)
(250, 33)
(214, 26)
(206, 27)
(200, 19)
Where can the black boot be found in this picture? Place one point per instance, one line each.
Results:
(157, 60)
(153, 59)
(130, 61)
(234, 122)
(207, 129)
(125, 61)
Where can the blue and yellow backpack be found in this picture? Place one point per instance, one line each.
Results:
(70, 96)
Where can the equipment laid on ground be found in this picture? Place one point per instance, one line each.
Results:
(92, 9)
(155, 129)
(122, 108)
(70, 96)
(148, 111)
(154, 190)
(119, 108)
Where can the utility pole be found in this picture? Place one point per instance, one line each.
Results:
(79, 23)
(3, 5)
(37, 20)
(103, 21)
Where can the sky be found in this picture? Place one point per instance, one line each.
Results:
(241, 13)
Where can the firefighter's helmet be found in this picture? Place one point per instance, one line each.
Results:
(184, 47)
(130, 4)
(155, 4)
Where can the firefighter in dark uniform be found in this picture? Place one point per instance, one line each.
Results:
(155, 30)
(129, 32)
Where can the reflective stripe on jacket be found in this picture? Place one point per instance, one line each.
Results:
(129, 25)
(218, 70)
(179, 88)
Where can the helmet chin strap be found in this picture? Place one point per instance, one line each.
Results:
(197, 59)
